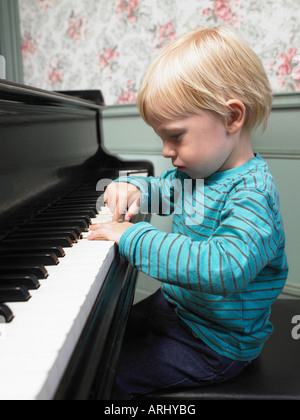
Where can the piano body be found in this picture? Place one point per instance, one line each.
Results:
(64, 301)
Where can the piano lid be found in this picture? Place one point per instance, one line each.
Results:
(49, 141)
(31, 95)
(45, 138)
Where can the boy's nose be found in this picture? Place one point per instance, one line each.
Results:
(168, 152)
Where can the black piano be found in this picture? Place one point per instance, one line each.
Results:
(52, 159)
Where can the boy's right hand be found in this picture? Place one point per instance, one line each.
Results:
(122, 198)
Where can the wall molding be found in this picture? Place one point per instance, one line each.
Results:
(292, 289)
(266, 154)
(290, 100)
(124, 122)
(286, 100)
(121, 111)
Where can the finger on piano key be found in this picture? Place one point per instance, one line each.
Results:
(104, 216)
(85, 235)
(101, 219)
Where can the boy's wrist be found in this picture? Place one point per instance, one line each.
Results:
(131, 234)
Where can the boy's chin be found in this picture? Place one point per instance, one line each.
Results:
(194, 174)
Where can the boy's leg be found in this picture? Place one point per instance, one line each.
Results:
(137, 326)
(168, 356)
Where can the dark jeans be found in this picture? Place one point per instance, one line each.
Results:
(160, 352)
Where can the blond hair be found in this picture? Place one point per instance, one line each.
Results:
(203, 69)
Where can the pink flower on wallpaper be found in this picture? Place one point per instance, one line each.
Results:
(280, 81)
(224, 10)
(206, 12)
(166, 34)
(28, 47)
(284, 67)
(77, 27)
(291, 53)
(55, 74)
(107, 57)
(296, 72)
(285, 61)
(128, 97)
(287, 75)
(129, 9)
(45, 4)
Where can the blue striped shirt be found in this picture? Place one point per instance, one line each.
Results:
(224, 265)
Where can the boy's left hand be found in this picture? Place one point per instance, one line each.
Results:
(111, 231)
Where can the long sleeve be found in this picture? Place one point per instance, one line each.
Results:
(224, 266)
(245, 242)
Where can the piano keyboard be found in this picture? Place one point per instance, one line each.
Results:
(52, 303)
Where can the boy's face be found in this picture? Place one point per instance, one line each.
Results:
(199, 145)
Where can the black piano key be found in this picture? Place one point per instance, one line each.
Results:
(36, 235)
(91, 208)
(85, 193)
(61, 206)
(6, 313)
(25, 270)
(65, 224)
(77, 207)
(31, 282)
(74, 233)
(80, 201)
(64, 242)
(14, 294)
(88, 212)
(60, 218)
(40, 259)
(12, 249)
(74, 202)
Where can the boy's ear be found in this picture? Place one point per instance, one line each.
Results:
(237, 116)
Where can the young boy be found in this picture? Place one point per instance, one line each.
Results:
(223, 266)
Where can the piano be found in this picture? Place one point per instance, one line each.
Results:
(64, 301)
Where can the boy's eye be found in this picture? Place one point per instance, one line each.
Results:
(176, 136)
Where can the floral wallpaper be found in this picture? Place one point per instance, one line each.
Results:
(108, 44)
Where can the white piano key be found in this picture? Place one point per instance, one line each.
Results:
(24, 386)
(47, 328)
